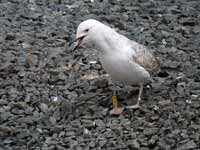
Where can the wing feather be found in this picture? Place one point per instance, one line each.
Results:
(146, 59)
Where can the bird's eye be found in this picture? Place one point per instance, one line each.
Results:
(86, 30)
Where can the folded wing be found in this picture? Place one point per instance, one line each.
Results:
(145, 58)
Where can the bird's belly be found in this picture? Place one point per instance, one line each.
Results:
(121, 70)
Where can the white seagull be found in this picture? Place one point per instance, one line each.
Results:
(124, 60)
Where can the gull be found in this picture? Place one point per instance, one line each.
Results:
(126, 61)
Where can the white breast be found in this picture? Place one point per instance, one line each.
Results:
(122, 69)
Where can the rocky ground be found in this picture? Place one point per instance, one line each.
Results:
(52, 98)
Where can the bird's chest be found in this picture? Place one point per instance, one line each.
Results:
(111, 62)
(116, 65)
(120, 69)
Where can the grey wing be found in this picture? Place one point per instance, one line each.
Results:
(145, 58)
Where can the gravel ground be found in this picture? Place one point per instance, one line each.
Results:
(52, 98)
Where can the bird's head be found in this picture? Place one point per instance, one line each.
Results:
(86, 32)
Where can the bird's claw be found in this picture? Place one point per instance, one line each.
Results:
(117, 111)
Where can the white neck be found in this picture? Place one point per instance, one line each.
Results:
(108, 40)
